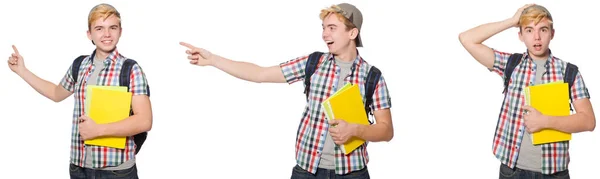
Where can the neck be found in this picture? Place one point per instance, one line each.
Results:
(542, 57)
(347, 55)
(101, 55)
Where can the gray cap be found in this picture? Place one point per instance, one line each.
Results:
(355, 16)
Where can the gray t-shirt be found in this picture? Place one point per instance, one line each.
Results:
(92, 80)
(530, 156)
(327, 155)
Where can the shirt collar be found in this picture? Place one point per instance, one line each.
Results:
(112, 56)
(550, 57)
(357, 61)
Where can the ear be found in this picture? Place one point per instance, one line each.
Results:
(89, 35)
(521, 36)
(353, 33)
(552, 37)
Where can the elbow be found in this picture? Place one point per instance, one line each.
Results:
(55, 100)
(148, 124)
(261, 77)
(592, 126)
(390, 136)
(461, 38)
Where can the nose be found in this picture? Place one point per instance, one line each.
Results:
(325, 34)
(106, 33)
(536, 35)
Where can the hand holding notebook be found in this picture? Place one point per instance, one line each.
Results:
(341, 131)
(107, 104)
(550, 99)
(534, 119)
(347, 105)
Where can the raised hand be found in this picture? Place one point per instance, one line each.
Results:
(15, 61)
(198, 56)
(517, 15)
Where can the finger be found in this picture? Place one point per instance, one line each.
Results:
(187, 45)
(528, 108)
(338, 142)
(15, 49)
(333, 122)
(194, 61)
(194, 57)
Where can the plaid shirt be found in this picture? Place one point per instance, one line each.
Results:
(313, 126)
(509, 130)
(109, 76)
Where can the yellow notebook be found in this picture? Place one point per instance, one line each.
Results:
(347, 104)
(550, 99)
(89, 90)
(108, 105)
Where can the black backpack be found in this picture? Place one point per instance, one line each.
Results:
(514, 60)
(124, 75)
(371, 83)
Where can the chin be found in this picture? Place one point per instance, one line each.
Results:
(107, 49)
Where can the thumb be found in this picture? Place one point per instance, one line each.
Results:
(528, 108)
(334, 122)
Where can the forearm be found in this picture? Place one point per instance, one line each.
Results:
(579, 122)
(375, 133)
(45, 88)
(133, 125)
(481, 33)
(242, 70)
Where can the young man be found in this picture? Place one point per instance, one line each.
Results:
(102, 68)
(317, 154)
(512, 143)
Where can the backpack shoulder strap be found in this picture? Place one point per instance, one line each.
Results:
(75, 67)
(570, 74)
(311, 67)
(512, 62)
(125, 75)
(569, 77)
(370, 85)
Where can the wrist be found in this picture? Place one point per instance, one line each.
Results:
(213, 60)
(102, 130)
(548, 122)
(514, 22)
(357, 130)
(21, 73)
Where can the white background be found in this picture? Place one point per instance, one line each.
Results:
(207, 123)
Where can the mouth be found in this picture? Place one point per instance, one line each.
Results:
(106, 41)
(329, 43)
(537, 46)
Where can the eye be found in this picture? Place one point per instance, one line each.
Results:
(528, 30)
(544, 30)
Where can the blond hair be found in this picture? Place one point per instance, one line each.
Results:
(102, 11)
(334, 9)
(535, 14)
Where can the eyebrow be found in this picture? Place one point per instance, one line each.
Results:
(99, 26)
(543, 27)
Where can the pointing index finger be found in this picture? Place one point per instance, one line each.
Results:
(15, 49)
(187, 45)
